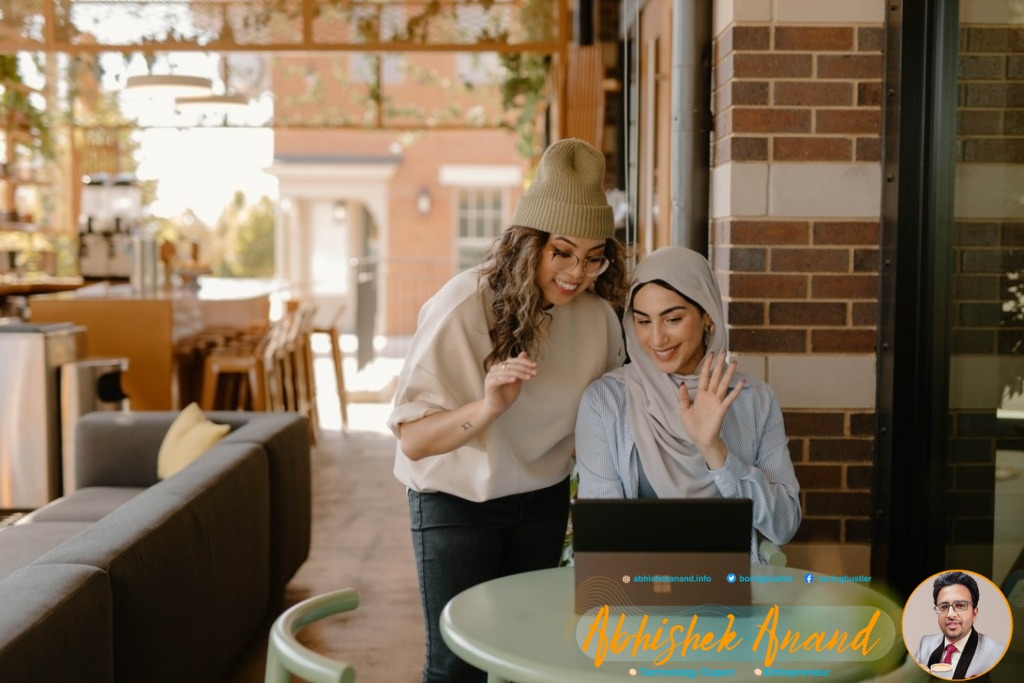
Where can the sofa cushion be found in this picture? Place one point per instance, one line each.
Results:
(188, 565)
(22, 543)
(189, 436)
(86, 505)
(120, 449)
(56, 625)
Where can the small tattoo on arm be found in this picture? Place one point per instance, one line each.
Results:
(466, 426)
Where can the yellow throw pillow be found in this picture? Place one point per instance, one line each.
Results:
(189, 436)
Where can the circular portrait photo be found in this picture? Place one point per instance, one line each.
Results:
(956, 624)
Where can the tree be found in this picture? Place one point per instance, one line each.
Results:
(245, 233)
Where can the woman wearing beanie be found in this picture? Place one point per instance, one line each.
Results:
(487, 398)
(678, 421)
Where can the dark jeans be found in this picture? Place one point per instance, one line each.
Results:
(459, 544)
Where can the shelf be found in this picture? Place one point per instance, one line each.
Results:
(18, 180)
(18, 226)
(24, 187)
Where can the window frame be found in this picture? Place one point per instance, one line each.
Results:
(498, 222)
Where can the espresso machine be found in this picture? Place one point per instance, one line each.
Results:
(111, 210)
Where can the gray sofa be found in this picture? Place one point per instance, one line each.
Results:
(133, 579)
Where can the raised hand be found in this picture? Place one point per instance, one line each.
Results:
(702, 417)
(504, 381)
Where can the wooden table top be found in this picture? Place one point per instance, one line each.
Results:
(39, 285)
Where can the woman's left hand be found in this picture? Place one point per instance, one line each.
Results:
(702, 418)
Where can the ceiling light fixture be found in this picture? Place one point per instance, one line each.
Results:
(211, 104)
(214, 104)
(169, 85)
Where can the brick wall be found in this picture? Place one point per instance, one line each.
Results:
(791, 93)
(421, 250)
(795, 241)
(832, 453)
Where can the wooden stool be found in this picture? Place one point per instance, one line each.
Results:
(295, 359)
(189, 356)
(333, 330)
(245, 360)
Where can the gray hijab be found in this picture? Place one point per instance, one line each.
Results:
(669, 459)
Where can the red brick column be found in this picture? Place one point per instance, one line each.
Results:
(795, 242)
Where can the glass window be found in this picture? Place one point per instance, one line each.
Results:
(478, 68)
(986, 401)
(480, 220)
(392, 22)
(363, 65)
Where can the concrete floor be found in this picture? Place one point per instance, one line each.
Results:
(360, 539)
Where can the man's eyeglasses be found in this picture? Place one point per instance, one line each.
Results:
(958, 606)
(566, 262)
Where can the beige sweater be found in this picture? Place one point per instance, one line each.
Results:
(529, 446)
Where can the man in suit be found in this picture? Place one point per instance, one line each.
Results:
(958, 652)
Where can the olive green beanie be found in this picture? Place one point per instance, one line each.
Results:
(567, 196)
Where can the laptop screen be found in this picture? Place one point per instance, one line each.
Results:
(661, 552)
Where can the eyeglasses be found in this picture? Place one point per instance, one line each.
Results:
(958, 606)
(566, 262)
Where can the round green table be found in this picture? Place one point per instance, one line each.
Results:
(522, 628)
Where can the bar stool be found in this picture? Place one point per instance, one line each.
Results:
(295, 360)
(333, 331)
(243, 365)
(189, 354)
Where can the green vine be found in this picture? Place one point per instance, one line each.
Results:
(17, 110)
(524, 82)
(523, 94)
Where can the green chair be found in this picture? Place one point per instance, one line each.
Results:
(771, 553)
(287, 656)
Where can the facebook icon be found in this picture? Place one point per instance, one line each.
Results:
(809, 578)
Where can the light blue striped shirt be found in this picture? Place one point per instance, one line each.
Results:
(757, 466)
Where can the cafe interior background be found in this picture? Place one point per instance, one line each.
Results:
(851, 167)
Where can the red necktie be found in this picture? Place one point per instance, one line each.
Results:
(950, 649)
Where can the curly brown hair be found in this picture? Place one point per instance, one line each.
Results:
(520, 314)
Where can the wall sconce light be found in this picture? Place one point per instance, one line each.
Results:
(423, 201)
(339, 213)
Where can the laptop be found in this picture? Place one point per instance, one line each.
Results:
(675, 553)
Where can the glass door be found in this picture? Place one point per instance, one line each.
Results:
(986, 388)
(985, 470)
(949, 486)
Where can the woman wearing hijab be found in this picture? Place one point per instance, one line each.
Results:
(678, 421)
(486, 401)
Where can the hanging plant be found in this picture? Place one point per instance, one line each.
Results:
(524, 95)
(17, 113)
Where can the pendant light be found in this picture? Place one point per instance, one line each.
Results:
(168, 85)
(213, 104)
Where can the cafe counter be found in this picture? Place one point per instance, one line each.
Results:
(146, 327)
